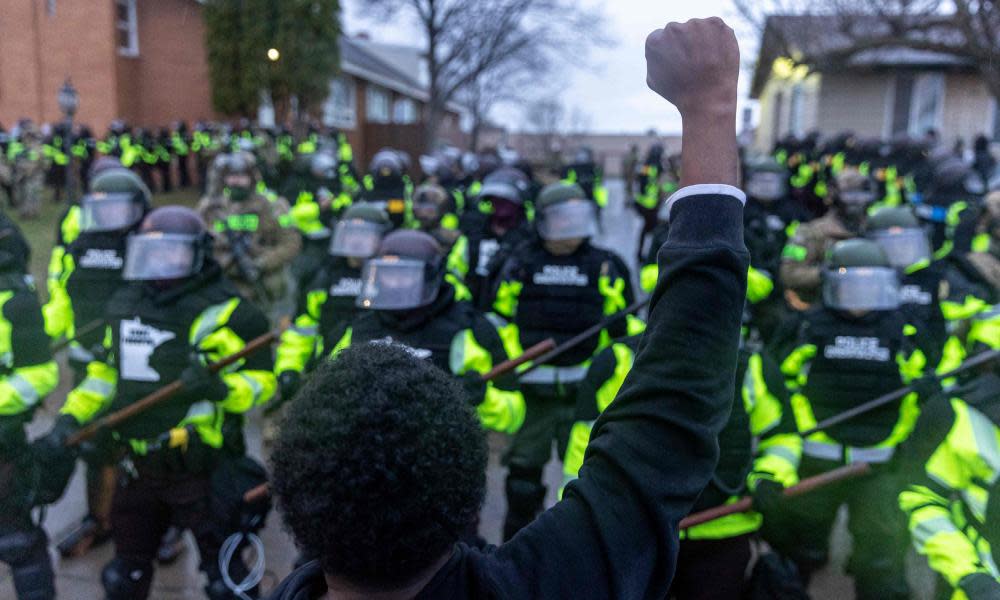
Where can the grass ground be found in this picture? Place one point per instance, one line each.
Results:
(41, 231)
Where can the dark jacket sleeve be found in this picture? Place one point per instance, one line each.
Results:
(29, 344)
(614, 534)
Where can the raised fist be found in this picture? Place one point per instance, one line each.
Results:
(694, 65)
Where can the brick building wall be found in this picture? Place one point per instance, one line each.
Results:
(39, 49)
(168, 80)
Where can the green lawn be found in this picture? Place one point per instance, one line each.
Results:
(41, 232)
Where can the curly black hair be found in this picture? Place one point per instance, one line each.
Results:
(379, 465)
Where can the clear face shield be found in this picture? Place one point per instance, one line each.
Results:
(161, 256)
(855, 203)
(355, 238)
(572, 219)
(393, 283)
(767, 186)
(109, 212)
(903, 246)
(861, 288)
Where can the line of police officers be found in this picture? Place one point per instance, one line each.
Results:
(893, 282)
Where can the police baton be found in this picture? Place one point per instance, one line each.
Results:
(578, 339)
(167, 392)
(84, 331)
(261, 491)
(976, 361)
(745, 504)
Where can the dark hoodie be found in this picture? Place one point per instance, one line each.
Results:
(614, 534)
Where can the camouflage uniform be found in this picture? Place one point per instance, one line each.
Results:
(803, 256)
(263, 228)
(29, 178)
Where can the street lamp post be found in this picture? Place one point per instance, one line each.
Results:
(69, 101)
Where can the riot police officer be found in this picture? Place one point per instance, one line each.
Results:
(388, 187)
(327, 306)
(177, 315)
(408, 300)
(431, 205)
(855, 347)
(83, 274)
(849, 197)
(584, 172)
(491, 232)
(949, 465)
(555, 286)
(29, 375)
(254, 240)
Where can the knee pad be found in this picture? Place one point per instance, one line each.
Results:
(127, 579)
(35, 580)
(23, 546)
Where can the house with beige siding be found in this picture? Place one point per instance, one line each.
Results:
(876, 93)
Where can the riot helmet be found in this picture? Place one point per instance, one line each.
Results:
(898, 232)
(359, 232)
(765, 180)
(171, 244)
(859, 278)
(239, 176)
(563, 213)
(406, 274)
(430, 203)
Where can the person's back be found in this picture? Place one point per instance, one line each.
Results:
(366, 470)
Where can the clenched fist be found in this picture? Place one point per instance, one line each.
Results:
(694, 65)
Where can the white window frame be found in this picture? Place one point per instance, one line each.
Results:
(994, 124)
(131, 26)
(372, 93)
(340, 109)
(926, 83)
(404, 111)
(796, 110)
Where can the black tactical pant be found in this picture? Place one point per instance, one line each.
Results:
(548, 417)
(24, 548)
(144, 508)
(801, 530)
(712, 569)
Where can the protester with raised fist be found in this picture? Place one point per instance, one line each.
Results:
(365, 469)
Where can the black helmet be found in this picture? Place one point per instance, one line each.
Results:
(564, 212)
(323, 166)
(238, 174)
(14, 250)
(406, 274)
(430, 203)
(386, 163)
(948, 180)
(584, 155)
(118, 179)
(359, 231)
(898, 232)
(172, 243)
(506, 183)
(102, 164)
(765, 179)
(859, 277)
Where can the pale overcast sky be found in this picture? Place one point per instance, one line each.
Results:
(611, 91)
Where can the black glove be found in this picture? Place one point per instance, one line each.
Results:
(202, 384)
(927, 386)
(768, 496)
(52, 447)
(289, 382)
(475, 388)
(980, 586)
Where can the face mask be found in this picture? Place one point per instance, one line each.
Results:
(238, 194)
